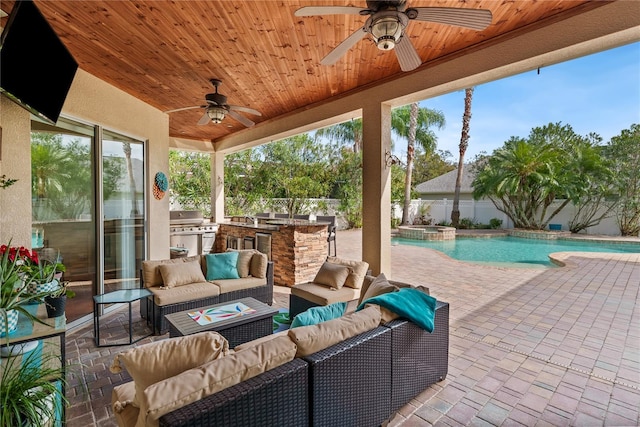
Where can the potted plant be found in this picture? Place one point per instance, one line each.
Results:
(45, 275)
(31, 389)
(56, 301)
(13, 291)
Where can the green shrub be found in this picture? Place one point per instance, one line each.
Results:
(466, 223)
(495, 223)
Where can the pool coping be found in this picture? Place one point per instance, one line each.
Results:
(564, 235)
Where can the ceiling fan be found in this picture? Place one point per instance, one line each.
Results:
(387, 22)
(217, 108)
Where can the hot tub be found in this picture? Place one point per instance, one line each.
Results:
(427, 232)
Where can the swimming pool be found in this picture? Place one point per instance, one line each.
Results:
(510, 250)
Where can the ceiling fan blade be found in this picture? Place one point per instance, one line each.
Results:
(343, 47)
(407, 55)
(204, 119)
(245, 109)
(248, 123)
(183, 108)
(477, 19)
(328, 10)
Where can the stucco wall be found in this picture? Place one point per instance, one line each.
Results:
(15, 201)
(94, 102)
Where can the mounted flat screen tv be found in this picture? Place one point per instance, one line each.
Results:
(36, 69)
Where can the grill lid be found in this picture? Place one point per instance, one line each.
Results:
(185, 218)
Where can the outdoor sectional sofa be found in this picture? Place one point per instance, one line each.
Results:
(180, 284)
(360, 380)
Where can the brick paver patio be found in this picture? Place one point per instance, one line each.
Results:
(528, 347)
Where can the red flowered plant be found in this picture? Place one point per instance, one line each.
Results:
(30, 266)
(13, 284)
(24, 255)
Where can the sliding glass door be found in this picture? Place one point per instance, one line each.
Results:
(88, 194)
(63, 209)
(123, 210)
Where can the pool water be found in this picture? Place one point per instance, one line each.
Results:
(514, 250)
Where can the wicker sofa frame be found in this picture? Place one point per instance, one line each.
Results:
(361, 381)
(278, 397)
(418, 357)
(262, 293)
(350, 382)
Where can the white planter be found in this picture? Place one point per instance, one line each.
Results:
(36, 288)
(44, 418)
(17, 349)
(12, 320)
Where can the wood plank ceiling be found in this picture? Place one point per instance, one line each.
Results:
(165, 52)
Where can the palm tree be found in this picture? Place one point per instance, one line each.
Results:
(126, 148)
(464, 143)
(48, 164)
(522, 180)
(413, 123)
(409, 122)
(346, 132)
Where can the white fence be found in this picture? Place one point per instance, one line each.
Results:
(482, 211)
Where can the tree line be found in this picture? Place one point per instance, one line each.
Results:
(522, 178)
(323, 164)
(525, 176)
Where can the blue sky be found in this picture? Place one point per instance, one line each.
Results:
(597, 93)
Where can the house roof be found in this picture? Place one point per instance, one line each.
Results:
(446, 183)
(165, 53)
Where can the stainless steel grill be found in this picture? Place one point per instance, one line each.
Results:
(189, 230)
(185, 218)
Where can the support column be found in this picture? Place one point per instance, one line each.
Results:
(376, 188)
(217, 187)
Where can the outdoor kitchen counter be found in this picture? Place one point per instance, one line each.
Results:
(298, 247)
(259, 226)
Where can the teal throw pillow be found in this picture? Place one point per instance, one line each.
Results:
(222, 266)
(316, 315)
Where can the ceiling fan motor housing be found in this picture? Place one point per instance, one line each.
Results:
(216, 99)
(385, 4)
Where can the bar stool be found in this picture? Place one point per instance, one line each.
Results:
(332, 231)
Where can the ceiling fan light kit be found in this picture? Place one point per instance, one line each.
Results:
(387, 28)
(216, 114)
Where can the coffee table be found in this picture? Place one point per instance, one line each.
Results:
(243, 327)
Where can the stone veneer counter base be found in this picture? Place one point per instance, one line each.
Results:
(298, 247)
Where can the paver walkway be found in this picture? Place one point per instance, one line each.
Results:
(528, 347)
